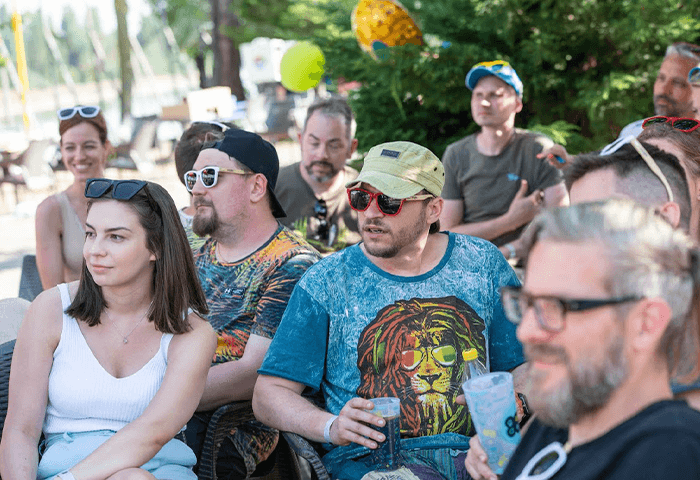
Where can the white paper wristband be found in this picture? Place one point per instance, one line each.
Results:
(327, 429)
(511, 250)
(66, 475)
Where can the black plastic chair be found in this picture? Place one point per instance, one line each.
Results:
(305, 458)
(6, 350)
(295, 457)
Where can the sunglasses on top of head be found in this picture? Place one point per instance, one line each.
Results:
(85, 111)
(683, 124)
(646, 157)
(220, 125)
(121, 189)
(209, 176)
(360, 200)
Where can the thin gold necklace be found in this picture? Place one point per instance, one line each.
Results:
(125, 338)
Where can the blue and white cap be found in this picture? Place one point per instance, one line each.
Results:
(497, 68)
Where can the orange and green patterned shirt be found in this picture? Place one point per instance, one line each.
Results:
(248, 297)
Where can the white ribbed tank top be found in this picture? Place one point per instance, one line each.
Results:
(83, 396)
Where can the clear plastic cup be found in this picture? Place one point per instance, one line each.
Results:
(386, 456)
(491, 402)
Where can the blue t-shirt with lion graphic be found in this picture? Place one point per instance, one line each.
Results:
(351, 329)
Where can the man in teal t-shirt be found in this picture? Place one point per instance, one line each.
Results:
(391, 316)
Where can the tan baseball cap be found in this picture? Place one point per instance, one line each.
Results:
(401, 170)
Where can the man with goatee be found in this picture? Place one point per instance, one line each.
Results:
(248, 268)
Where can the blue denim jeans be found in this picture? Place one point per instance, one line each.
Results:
(435, 457)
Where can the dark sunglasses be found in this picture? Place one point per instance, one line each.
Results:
(679, 123)
(208, 176)
(321, 214)
(121, 189)
(85, 111)
(360, 200)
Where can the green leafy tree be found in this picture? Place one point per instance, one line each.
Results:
(588, 67)
(191, 21)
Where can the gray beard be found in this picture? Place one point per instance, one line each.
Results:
(324, 178)
(587, 389)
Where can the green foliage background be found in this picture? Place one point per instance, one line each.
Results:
(588, 67)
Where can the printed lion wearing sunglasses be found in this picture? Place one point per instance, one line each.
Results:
(413, 351)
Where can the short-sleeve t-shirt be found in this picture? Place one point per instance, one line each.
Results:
(488, 184)
(661, 441)
(248, 297)
(298, 201)
(352, 329)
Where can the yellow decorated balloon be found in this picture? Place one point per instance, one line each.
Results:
(379, 24)
(301, 67)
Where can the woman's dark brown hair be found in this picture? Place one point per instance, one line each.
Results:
(175, 287)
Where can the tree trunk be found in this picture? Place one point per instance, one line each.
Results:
(126, 74)
(227, 57)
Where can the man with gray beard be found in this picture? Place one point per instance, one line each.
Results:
(673, 96)
(607, 316)
(312, 192)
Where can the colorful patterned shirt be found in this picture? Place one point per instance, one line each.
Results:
(248, 297)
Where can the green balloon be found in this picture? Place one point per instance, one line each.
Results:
(301, 67)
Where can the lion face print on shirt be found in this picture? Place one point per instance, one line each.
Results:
(413, 350)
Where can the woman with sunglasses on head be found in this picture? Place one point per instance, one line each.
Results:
(109, 369)
(60, 218)
(680, 137)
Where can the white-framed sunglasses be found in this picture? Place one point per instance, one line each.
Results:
(209, 176)
(216, 124)
(648, 159)
(85, 111)
(546, 463)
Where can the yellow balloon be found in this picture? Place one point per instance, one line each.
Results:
(379, 24)
(301, 67)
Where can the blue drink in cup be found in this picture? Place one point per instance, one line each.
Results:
(491, 402)
(386, 456)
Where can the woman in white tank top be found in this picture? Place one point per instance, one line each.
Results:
(109, 369)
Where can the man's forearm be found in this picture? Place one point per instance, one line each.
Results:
(287, 410)
(226, 383)
(487, 229)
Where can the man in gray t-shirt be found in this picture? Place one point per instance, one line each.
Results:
(312, 192)
(499, 178)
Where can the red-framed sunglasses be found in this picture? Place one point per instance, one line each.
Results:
(360, 200)
(679, 123)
